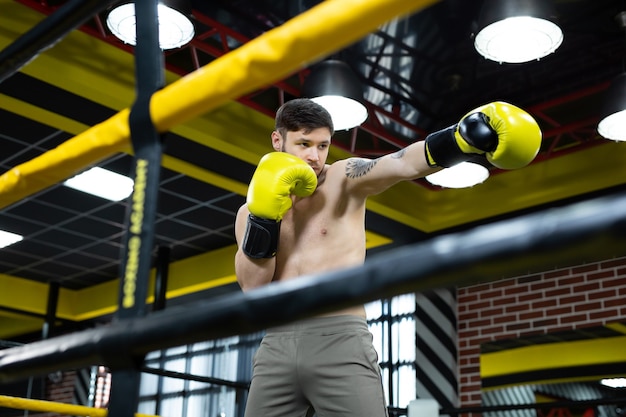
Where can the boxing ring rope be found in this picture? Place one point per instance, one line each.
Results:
(584, 232)
(587, 231)
(68, 17)
(323, 29)
(55, 407)
(266, 59)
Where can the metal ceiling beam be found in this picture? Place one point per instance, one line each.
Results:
(72, 15)
(214, 39)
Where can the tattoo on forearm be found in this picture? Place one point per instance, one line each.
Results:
(399, 154)
(357, 167)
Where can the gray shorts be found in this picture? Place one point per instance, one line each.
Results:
(325, 365)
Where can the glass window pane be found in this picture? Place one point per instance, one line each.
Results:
(403, 304)
(178, 350)
(223, 365)
(398, 354)
(172, 385)
(172, 406)
(148, 385)
(403, 338)
(406, 388)
(153, 355)
(199, 406)
(202, 346)
(175, 365)
(373, 310)
(147, 407)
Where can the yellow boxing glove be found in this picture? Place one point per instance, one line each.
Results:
(278, 176)
(508, 136)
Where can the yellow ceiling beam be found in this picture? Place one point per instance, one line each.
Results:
(191, 275)
(265, 59)
(23, 295)
(233, 129)
(28, 111)
(618, 327)
(204, 175)
(75, 62)
(409, 203)
(94, 70)
(573, 174)
(553, 356)
(13, 325)
(100, 72)
(187, 276)
(244, 133)
(552, 362)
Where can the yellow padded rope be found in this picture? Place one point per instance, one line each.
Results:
(54, 407)
(323, 29)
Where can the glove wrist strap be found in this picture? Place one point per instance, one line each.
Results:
(261, 238)
(443, 149)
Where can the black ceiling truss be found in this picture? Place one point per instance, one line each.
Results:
(403, 107)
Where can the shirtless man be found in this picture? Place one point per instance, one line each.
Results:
(304, 217)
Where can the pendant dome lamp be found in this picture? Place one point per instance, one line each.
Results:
(334, 86)
(516, 31)
(175, 26)
(463, 175)
(613, 123)
(613, 117)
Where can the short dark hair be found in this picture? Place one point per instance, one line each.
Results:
(302, 113)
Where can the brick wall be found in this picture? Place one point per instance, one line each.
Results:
(59, 388)
(558, 300)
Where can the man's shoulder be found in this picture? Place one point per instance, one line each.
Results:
(243, 210)
(332, 170)
(338, 169)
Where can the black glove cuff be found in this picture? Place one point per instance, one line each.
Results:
(261, 238)
(443, 149)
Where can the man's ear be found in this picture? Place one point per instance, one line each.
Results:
(277, 140)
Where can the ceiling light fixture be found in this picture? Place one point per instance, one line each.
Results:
(334, 86)
(613, 117)
(613, 122)
(175, 26)
(102, 183)
(516, 31)
(9, 238)
(614, 382)
(463, 175)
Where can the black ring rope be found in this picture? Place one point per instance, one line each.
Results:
(47, 33)
(583, 232)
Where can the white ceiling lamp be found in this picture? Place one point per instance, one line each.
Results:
(102, 183)
(614, 382)
(613, 118)
(8, 238)
(463, 175)
(516, 31)
(613, 123)
(175, 26)
(334, 86)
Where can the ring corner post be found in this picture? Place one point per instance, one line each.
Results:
(141, 211)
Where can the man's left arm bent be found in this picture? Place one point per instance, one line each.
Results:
(278, 177)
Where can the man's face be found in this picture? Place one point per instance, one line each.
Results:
(311, 147)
